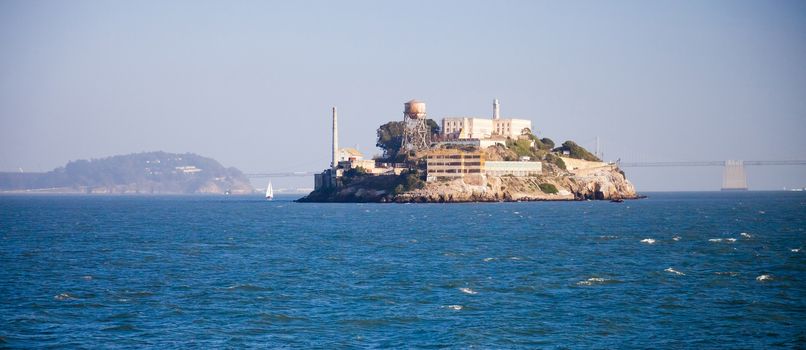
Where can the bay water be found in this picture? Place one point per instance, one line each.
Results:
(675, 270)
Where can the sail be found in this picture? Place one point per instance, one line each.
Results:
(269, 191)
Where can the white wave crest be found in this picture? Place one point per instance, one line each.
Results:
(648, 241)
(671, 270)
(763, 278)
(454, 307)
(676, 238)
(488, 259)
(591, 281)
(64, 296)
(746, 235)
(795, 250)
(715, 240)
(468, 291)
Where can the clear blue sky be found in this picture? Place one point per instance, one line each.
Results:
(251, 83)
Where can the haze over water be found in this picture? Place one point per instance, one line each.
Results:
(686, 270)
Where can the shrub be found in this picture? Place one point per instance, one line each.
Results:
(357, 171)
(521, 148)
(554, 159)
(398, 189)
(560, 163)
(548, 188)
(577, 151)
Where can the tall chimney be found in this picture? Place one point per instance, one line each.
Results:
(496, 110)
(335, 162)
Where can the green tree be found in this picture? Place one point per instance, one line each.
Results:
(577, 151)
(390, 138)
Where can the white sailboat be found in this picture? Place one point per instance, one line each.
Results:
(269, 192)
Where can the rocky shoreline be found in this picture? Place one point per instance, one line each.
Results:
(602, 183)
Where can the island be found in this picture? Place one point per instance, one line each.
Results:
(139, 173)
(466, 159)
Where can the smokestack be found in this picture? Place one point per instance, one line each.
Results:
(496, 110)
(335, 162)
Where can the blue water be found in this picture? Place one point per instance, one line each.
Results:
(200, 272)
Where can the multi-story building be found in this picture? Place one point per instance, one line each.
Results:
(483, 128)
(513, 168)
(453, 163)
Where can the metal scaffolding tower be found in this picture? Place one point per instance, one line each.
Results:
(416, 134)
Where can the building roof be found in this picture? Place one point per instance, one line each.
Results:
(351, 152)
(488, 118)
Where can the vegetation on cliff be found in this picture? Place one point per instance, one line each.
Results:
(548, 188)
(577, 151)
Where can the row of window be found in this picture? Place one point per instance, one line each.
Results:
(431, 164)
(454, 171)
(455, 156)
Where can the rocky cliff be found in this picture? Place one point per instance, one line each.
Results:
(604, 182)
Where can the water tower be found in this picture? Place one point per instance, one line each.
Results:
(416, 134)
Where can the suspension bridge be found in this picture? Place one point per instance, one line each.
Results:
(733, 175)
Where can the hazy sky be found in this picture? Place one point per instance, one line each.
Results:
(251, 83)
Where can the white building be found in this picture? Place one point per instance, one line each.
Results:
(496, 168)
(483, 128)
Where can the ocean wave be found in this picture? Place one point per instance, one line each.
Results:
(795, 250)
(594, 280)
(123, 327)
(746, 235)
(248, 288)
(764, 278)
(648, 241)
(488, 259)
(727, 273)
(64, 296)
(676, 238)
(715, 240)
(468, 291)
(671, 270)
(454, 307)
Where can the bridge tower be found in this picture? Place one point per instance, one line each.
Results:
(416, 135)
(733, 177)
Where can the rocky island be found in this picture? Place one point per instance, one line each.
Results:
(466, 160)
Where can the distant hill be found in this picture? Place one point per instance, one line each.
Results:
(149, 172)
